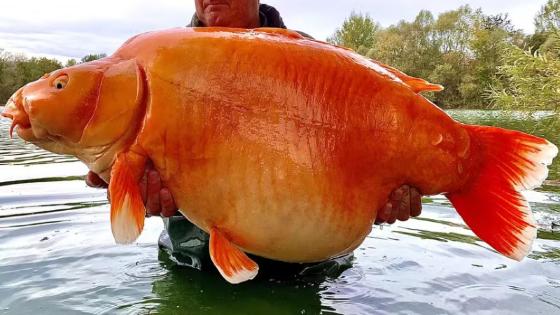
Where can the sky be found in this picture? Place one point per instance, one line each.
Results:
(66, 29)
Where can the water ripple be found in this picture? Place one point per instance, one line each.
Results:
(145, 269)
(18, 152)
(500, 299)
(57, 256)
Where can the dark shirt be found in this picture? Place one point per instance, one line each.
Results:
(270, 17)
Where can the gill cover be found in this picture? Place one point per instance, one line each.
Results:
(120, 93)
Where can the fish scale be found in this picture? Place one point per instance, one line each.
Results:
(277, 145)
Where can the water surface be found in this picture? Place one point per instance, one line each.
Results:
(57, 255)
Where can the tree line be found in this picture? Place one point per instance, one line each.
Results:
(482, 60)
(16, 70)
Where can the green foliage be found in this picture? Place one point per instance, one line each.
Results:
(550, 46)
(18, 70)
(407, 45)
(70, 63)
(92, 57)
(357, 32)
(452, 30)
(533, 42)
(459, 50)
(490, 33)
(531, 80)
(548, 18)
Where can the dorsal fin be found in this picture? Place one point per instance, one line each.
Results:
(416, 84)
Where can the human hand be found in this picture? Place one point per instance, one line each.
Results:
(404, 202)
(157, 199)
(93, 180)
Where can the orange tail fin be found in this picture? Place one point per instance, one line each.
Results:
(491, 203)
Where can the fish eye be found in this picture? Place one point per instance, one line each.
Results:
(60, 82)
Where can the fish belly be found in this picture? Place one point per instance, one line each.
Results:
(273, 207)
(289, 150)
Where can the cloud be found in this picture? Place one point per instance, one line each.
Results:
(72, 29)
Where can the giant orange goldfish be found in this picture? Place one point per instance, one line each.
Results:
(274, 144)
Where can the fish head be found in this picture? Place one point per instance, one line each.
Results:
(78, 107)
(57, 106)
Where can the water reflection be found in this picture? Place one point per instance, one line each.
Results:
(186, 291)
(441, 236)
(67, 262)
(18, 152)
(550, 253)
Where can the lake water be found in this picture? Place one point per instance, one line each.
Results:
(57, 255)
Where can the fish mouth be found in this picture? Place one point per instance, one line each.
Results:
(19, 117)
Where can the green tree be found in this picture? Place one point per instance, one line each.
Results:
(7, 76)
(408, 46)
(548, 18)
(92, 57)
(533, 42)
(33, 68)
(490, 33)
(453, 29)
(453, 35)
(550, 47)
(531, 80)
(70, 62)
(434, 49)
(459, 49)
(357, 32)
(18, 70)
(452, 71)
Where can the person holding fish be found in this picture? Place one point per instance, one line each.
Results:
(275, 144)
(186, 242)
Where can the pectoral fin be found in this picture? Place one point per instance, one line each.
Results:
(232, 263)
(127, 208)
